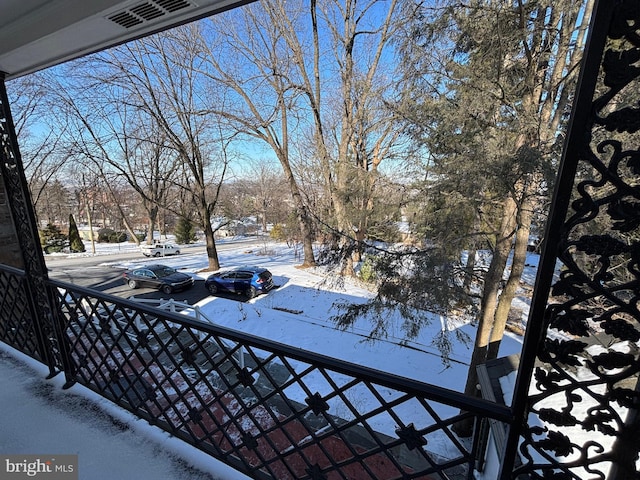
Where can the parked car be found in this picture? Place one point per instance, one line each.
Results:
(161, 277)
(159, 250)
(249, 281)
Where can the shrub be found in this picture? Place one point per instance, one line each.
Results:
(75, 242)
(278, 232)
(107, 235)
(103, 235)
(184, 231)
(52, 239)
(118, 237)
(367, 270)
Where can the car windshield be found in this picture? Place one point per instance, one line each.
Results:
(163, 271)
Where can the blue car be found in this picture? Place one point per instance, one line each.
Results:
(249, 281)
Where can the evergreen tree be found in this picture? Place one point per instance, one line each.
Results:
(75, 242)
(184, 231)
(485, 93)
(52, 239)
(488, 91)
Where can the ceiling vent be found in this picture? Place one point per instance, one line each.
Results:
(147, 11)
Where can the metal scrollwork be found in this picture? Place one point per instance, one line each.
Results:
(584, 397)
(21, 235)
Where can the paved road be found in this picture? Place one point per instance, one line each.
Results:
(61, 262)
(97, 273)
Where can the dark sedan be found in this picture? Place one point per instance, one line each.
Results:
(161, 277)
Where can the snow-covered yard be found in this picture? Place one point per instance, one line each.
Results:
(298, 313)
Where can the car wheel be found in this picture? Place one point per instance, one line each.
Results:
(132, 284)
(167, 289)
(251, 292)
(213, 288)
(157, 254)
(177, 252)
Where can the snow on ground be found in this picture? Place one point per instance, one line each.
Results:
(39, 418)
(312, 296)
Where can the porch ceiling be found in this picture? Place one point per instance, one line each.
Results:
(35, 34)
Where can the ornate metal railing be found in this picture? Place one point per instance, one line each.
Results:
(278, 412)
(574, 413)
(578, 399)
(17, 327)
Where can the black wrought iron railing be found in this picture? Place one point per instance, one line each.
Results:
(17, 327)
(274, 411)
(269, 410)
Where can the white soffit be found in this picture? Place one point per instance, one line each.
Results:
(35, 34)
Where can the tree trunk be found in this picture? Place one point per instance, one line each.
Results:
(212, 251)
(204, 213)
(525, 215)
(153, 216)
(492, 284)
(90, 224)
(469, 270)
(307, 237)
(128, 228)
(302, 215)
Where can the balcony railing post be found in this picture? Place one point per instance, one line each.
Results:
(537, 323)
(22, 235)
(594, 210)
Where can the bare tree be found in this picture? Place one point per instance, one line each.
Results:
(262, 192)
(360, 133)
(39, 135)
(269, 67)
(344, 95)
(116, 143)
(53, 201)
(242, 56)
(158, 80)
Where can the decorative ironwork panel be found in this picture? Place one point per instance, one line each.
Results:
(16, 321)
(273, 412)
(583, 401)
(10, 253)
(19, 229)
(17, 193)
(268, 410)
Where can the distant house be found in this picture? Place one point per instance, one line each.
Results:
(85, 233)
(237, 228)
